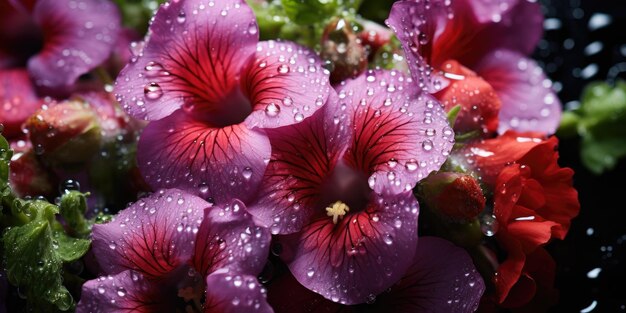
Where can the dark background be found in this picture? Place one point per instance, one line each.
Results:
(597, 238)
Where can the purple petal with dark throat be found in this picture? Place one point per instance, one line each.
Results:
(217, 164)
(400, 136)
(192, 57)
(303, 155)
(362, 255)
(285, 83)
(153, 236)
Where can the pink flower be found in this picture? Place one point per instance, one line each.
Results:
(164, 251)
(57, 40)
(492, 39)
(441, 278)
(209, 89)
(338, 185)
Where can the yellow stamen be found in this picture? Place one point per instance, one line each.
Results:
(336, 210)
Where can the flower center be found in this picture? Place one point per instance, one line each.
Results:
(337, 210)
(232, 109)
(345, 190)
(20, 37)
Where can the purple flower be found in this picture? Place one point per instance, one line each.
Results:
(57, 40)
(210, 89)
(164, 251)
(441, 278)
(338, 185)
(491, 38)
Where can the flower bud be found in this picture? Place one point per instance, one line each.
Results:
(453, 196)
(29, 177)
(67, 133)
(343, 48)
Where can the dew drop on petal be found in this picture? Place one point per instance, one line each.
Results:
(427, 145)
(153, 91)
(247, 172)
(283, 69)
(272, 109)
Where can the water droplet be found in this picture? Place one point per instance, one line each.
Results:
(427, 145)
(489, 225)
(272, 109)
(153, 91)
(181, 17)
(310, 272)
(430, 132)
(388, 239)
(121, 291)
(247, 172)
(299, 117)
(69, 185)
(101, 289)
(287, 101)
(283, 69)
(252, 28)
(411, 165)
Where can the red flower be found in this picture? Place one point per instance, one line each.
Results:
(534, 201)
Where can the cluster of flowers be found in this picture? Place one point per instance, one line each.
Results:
(254, 147)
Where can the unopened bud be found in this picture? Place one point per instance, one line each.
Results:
(342, 47)
(29, 177)
(453, 196)
(67, 133)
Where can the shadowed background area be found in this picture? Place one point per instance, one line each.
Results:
(584, 41)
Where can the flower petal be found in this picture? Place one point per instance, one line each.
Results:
(442, 278)
(477, 29)
(399, 137)
(218, 164)
(303, 155)
(285, 84)
(229, 292)
(193, 56)
(127, 291)
(152, 236)
(528, 101)
(18, 100)
(362, 255)
(229, 238)
(77, 38)
(415, 24)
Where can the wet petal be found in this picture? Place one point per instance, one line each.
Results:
(127, 291)
(285, 84)
(78, 36)
(415, 24)
(303, 155)
(229, 238)
(359, 257)
(152, 236)
(193, 57)
(18, 100)
(216, 163)
(230, 292)
(528, 101)
(442, 278)
(476, 30)
(399, 137)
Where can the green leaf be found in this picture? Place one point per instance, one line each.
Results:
(72, 207)
(35, 253)
(600, 122)
(306, 12)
